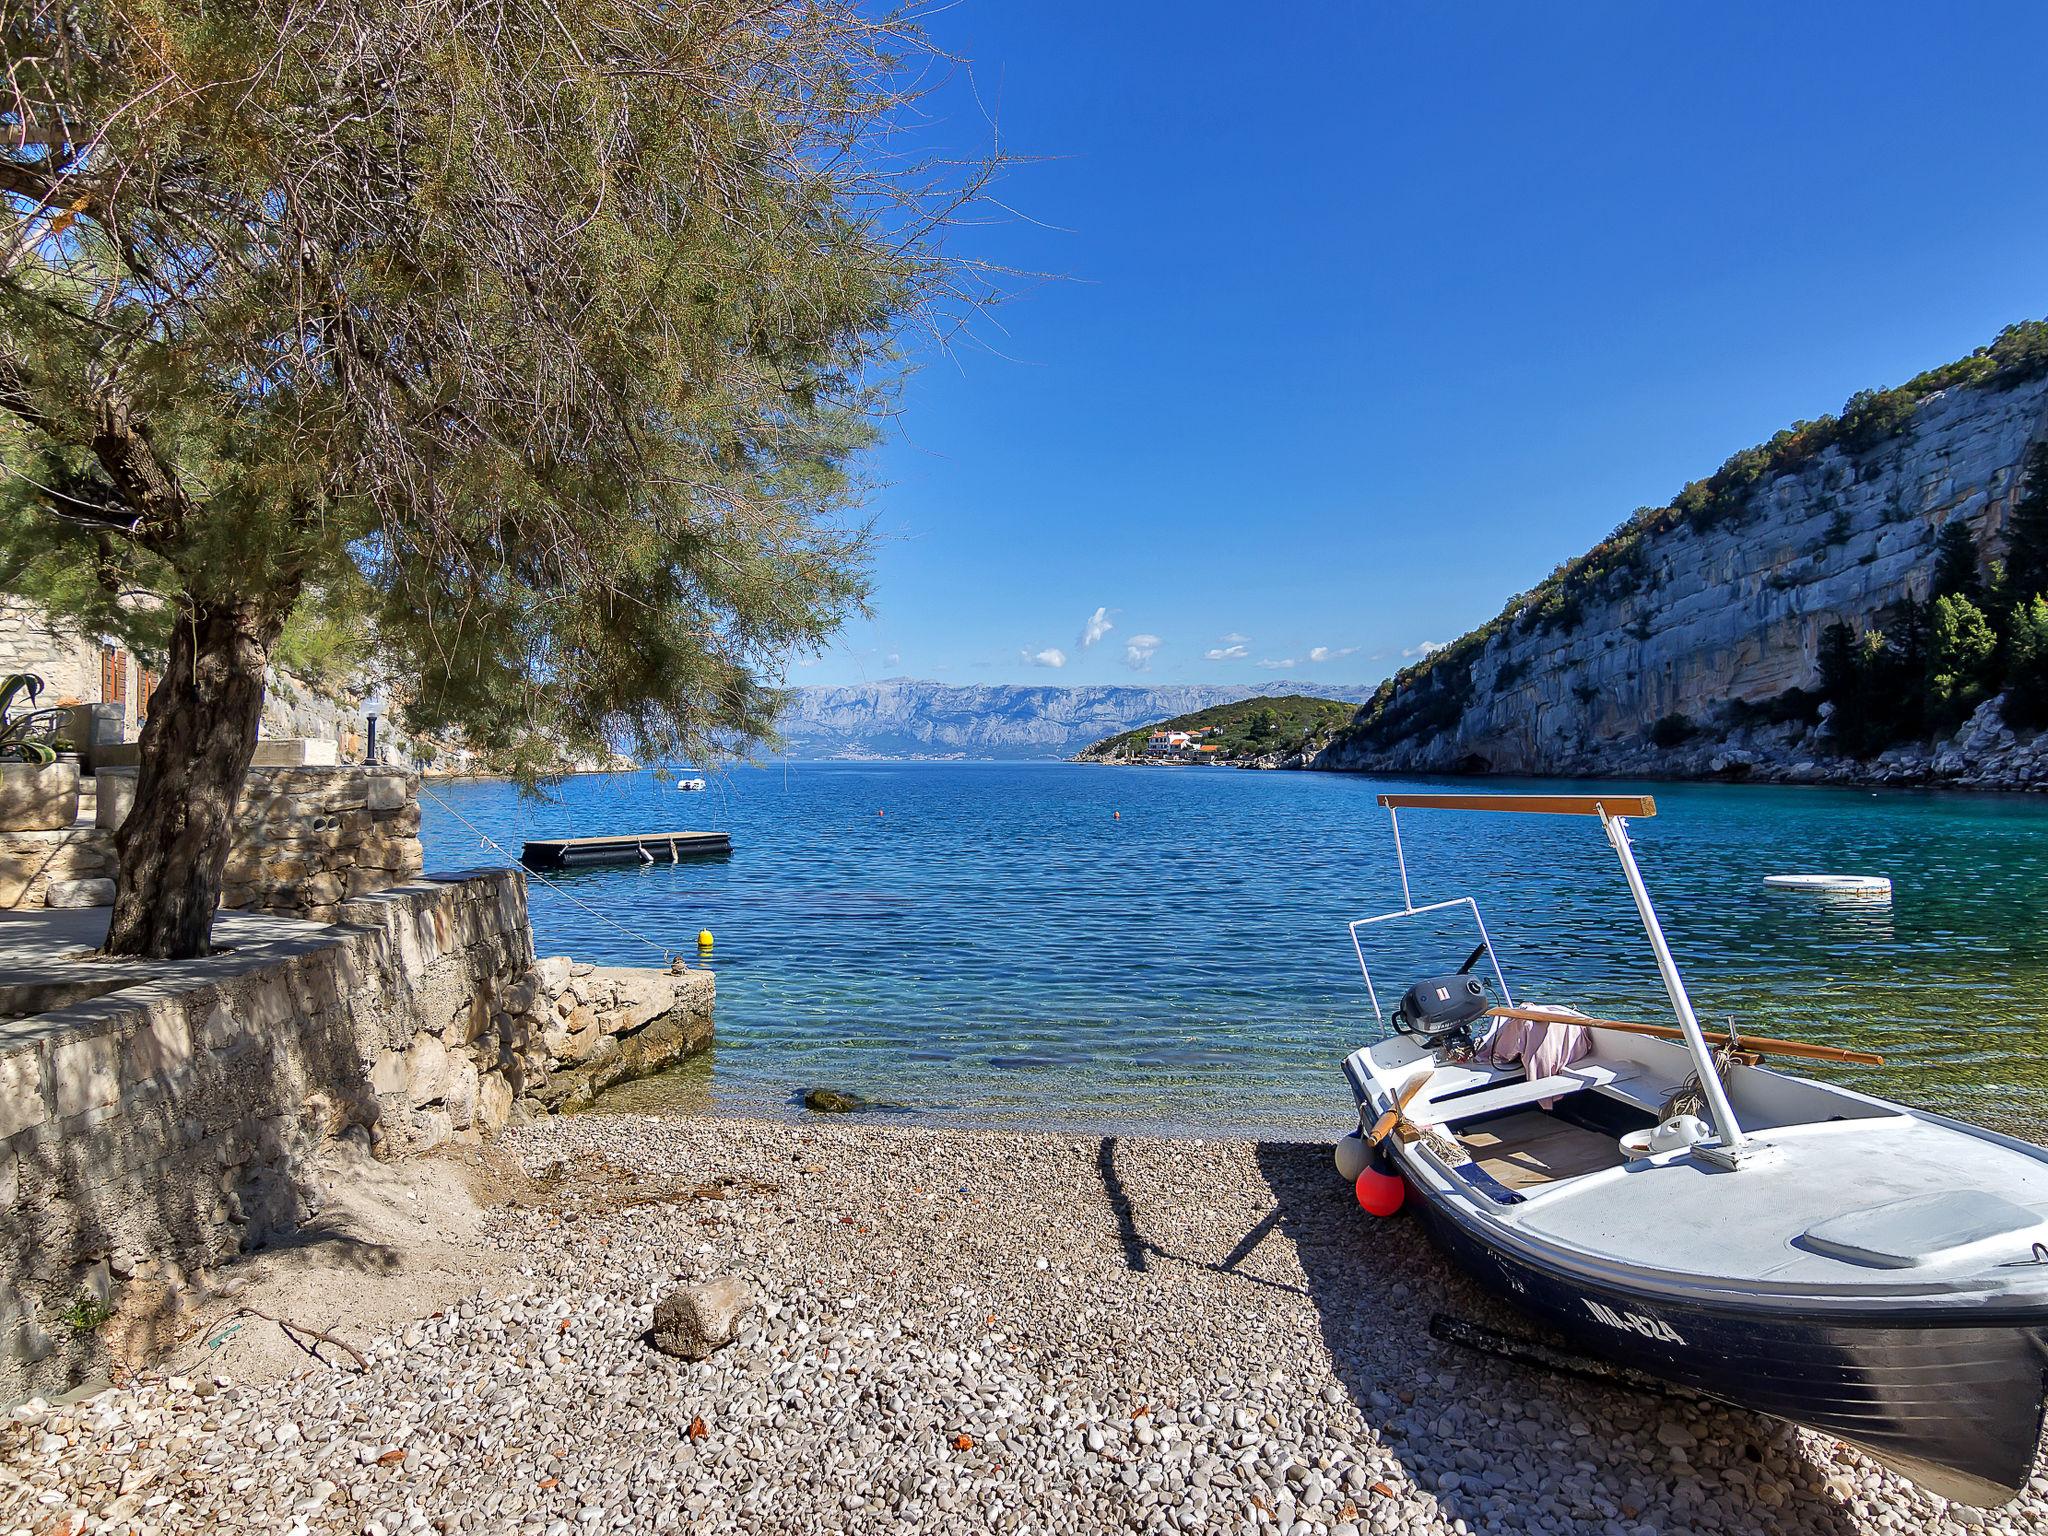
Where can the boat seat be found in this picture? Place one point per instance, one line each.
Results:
(1575, 1078)
(1926, 1229)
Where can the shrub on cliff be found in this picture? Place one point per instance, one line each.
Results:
(557, 323)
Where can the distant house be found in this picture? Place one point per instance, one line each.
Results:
(1167, 743)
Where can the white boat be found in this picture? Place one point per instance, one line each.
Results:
(1818, 1254)
(1866, 886)
(689, 784)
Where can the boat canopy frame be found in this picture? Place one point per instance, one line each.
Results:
(1730, 1144)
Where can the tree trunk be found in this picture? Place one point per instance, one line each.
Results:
(196, 747)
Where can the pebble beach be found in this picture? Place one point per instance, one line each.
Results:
(952, 1331)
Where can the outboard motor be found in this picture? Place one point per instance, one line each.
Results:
(1440, 1010)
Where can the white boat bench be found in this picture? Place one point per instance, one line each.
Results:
(1629, 1084)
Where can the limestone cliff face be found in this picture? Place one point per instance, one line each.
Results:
(1714, 624)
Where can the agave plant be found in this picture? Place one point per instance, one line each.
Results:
(26, 737)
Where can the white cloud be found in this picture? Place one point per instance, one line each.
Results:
(1138, 651)
(894, 659)
(1278, 666)
(1427, 648)
(1226, 653)
(807, 661)
(1097, 626)
(1330, 653)
(1234, 638)
(1051, 656)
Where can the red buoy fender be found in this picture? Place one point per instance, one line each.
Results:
(1379, 1193)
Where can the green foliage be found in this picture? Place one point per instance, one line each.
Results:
(1955, 564)
(86, 1315)
(525, 351)
(2026, 644)
(1961, 649)
(1294, 722)
(1430, 695)
(2026, 552)
(22, 732)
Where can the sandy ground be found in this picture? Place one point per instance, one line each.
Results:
(393, 1242)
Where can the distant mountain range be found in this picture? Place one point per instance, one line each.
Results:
(908, 717)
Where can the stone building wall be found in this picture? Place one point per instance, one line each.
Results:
(154, 1131)
(67, 660)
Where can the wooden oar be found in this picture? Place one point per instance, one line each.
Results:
(1396, 1117)
(1763, 1045)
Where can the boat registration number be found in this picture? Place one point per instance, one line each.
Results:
(1634, 1322)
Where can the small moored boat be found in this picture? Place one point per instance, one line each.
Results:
(1665, 1199)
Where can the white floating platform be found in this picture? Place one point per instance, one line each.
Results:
(1871, 886)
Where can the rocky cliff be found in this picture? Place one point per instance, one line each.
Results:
(1688, 643)
(908, 717)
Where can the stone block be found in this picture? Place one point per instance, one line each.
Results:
(426, 1070)
(38, 797)
(116, 796)
(638, 997)
(461, 1097)
(220, 1030)
(552, 973)
(85, 1074)
(388, 1072)
(295, 752)
(493, 1101)
(80, 893)
(22, 1104)
(29, 861)
(386, 791)
(162, 1048)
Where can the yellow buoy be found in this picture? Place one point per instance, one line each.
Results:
(703, 938)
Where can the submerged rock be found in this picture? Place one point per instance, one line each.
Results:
(830, 1101)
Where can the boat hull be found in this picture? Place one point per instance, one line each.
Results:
(1955, 1403)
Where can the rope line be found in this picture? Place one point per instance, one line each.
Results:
(667, 955)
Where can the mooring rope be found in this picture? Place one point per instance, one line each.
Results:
(667, 955)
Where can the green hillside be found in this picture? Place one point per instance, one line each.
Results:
(1286, 722)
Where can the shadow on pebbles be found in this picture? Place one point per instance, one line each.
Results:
(951, 1331)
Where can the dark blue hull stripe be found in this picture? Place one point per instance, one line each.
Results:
(1954, 1404)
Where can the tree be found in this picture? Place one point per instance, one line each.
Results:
(1960, 651)
(542, 333)
(2026, 673)
(2026, 551)
(1955, 564)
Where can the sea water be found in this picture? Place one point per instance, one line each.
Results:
(1092, 947)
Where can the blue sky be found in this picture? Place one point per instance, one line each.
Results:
(1371, 314)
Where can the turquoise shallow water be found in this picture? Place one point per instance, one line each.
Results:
(1089, 947)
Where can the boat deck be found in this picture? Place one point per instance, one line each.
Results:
(1531, 1149)
(1753, 1224)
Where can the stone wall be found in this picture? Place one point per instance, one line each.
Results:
(154, 1131)
(66, 659)
(1732, 615)
(306, 840)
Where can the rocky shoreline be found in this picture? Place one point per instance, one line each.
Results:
(1984, 753)
(949, 1330)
